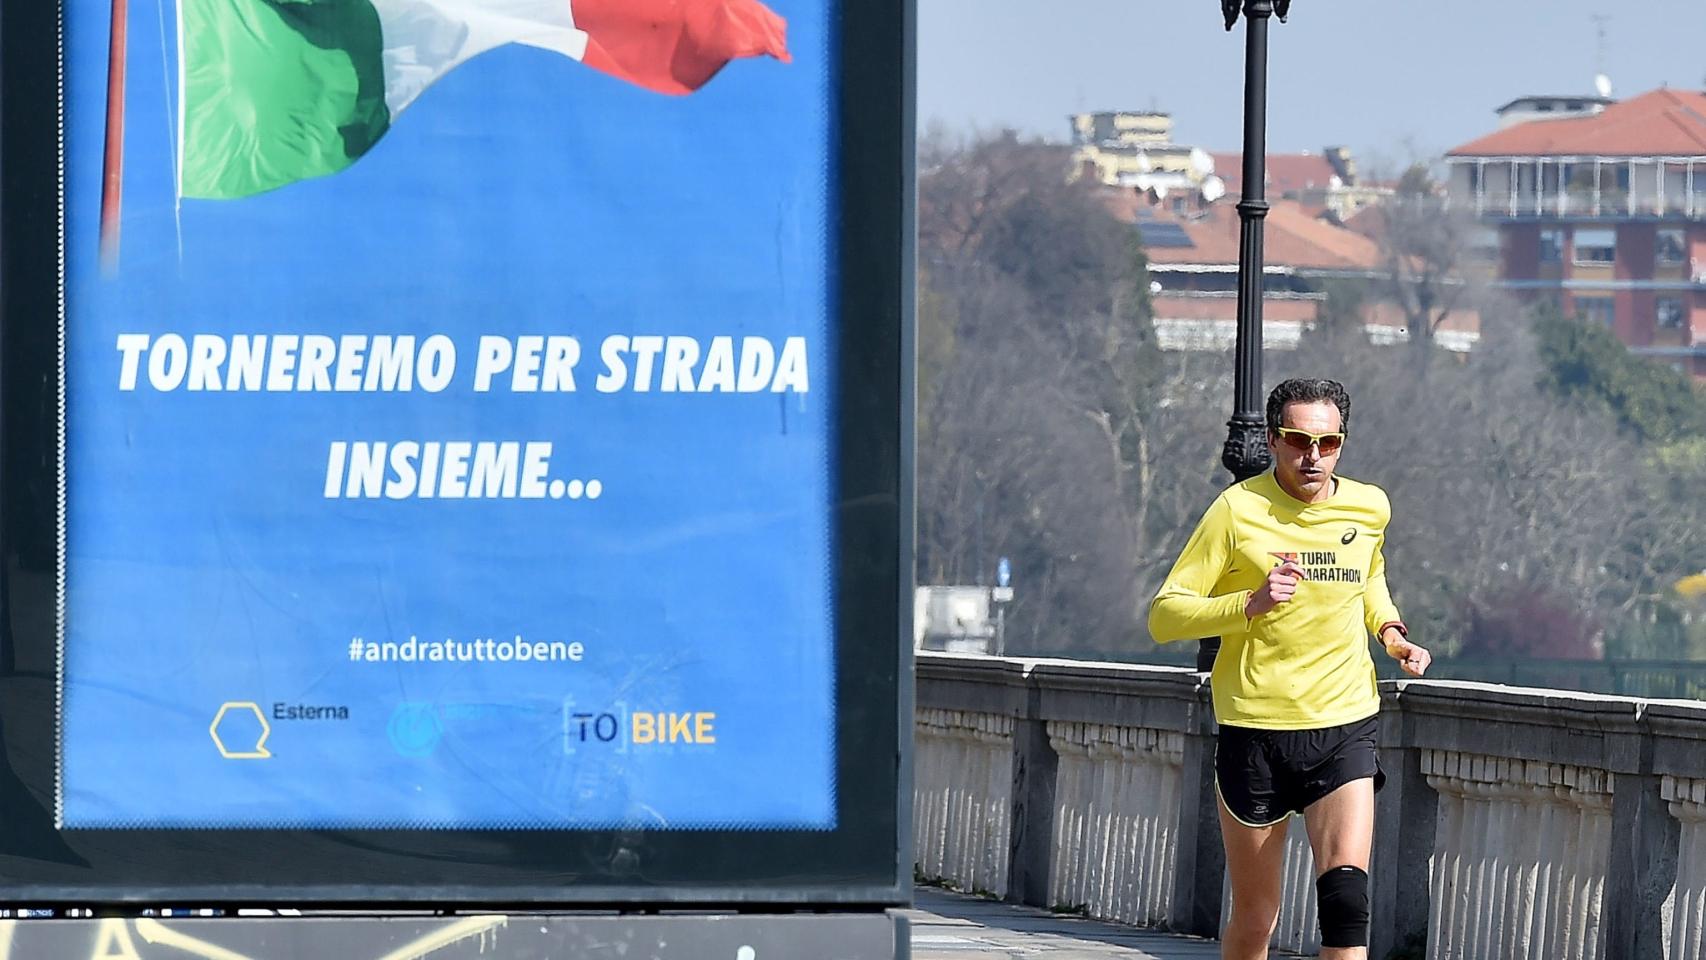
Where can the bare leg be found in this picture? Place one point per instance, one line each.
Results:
(1254, 858)
(1341, 831)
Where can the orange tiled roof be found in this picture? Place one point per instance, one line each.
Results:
(1287, 172)
(1375, 313)
(1293, 237)
(1370, 221)
(1385, 313)
(1175, 307)
(1662, 122)
(1124, 203)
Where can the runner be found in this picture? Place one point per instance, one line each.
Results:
(1287, 569)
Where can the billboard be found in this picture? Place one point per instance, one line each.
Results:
(470, 422)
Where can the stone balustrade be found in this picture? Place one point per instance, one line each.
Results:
(1685, 908)
(1524, 852)
(1116, 811)
(964, 765)
(1516, 824)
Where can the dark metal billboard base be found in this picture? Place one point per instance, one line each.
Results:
(520, 936)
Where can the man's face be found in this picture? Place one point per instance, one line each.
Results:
(1301, 466)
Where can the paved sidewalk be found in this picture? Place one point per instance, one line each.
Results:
(950, 926)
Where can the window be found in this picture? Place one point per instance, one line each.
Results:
(1596, 246)
(1669, 313)
(1475, 179)
(1599, 310)
(1551, 246)
(1671, 247)
(1484, 243)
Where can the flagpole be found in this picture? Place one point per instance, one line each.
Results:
(112, 173)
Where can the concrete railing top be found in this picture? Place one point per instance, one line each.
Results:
(1121, 694)
(1617, 734)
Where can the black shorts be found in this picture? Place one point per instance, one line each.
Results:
(1265, 776)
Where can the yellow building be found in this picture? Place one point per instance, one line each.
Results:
(1136, 149)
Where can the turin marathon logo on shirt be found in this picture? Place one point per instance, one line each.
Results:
(1320, 566)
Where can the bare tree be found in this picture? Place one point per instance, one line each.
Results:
(1054, 431)
(1512, 508)
(1044, 424)
(1427, 263)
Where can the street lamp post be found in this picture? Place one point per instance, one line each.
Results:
(1246, 452)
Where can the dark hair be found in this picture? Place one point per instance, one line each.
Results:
(1309, 390)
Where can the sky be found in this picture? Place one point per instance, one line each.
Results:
(1394, 81)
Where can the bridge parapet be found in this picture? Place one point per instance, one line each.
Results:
(1516, 823)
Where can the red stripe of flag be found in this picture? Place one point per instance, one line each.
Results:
(676, 46)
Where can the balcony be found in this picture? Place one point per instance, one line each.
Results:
(1578, 204)
(1581, 187)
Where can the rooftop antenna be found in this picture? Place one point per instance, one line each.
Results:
(1601, 80)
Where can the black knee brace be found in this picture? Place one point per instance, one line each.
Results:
(1342, 897)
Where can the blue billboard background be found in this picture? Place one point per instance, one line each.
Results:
(215, 595)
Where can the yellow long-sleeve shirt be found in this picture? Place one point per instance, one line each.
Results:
(1305, 663)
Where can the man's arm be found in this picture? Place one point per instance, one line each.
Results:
(1379, 612)
(1182, 608)
(1381, 616)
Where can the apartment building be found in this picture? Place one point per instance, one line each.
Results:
(1601, 211)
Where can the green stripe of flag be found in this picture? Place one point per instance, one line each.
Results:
(276, 91)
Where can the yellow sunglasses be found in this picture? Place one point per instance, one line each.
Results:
(1302, 440)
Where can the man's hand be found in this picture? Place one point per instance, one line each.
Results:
(1413, 657)
(1281, 585)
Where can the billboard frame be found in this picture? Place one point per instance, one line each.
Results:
(864, 862)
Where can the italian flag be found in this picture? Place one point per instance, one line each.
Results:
(276, 91)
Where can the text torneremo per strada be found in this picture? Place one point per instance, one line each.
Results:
(360, 363)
